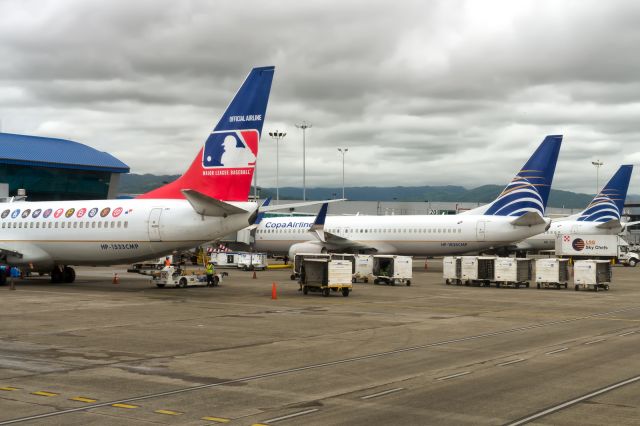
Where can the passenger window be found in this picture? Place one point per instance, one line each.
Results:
(62, 225)
(99, 224)
(56, 225)
(126, 224)
(119, 224)
(75, 224)
(37, 224)
(113, 224)
(4, 224)
(20, 225)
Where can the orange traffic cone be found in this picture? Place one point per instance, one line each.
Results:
(254, 274)
(274, 292)
(116, 279)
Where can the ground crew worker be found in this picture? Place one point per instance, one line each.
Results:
(210, 271)
(167, 261)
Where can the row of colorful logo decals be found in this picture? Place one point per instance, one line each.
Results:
(69, 213)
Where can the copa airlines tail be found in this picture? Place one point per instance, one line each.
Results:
(207, 202)
(601, 217)
(223, 169)
(516, 213)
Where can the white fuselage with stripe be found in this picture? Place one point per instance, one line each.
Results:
(121, 231)
(410, 235)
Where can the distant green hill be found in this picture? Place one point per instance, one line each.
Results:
(137, 184)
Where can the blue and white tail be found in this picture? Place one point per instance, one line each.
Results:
(608, 204)
(529, 189)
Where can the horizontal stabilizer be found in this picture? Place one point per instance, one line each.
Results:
(610, 224)
(208, 206)
(528, 219)
(296, 205)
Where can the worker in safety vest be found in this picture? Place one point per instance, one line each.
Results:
(210, 272)
(167, 261)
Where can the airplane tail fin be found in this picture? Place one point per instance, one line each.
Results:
(529, 190)
(608, 204)
(224, 167)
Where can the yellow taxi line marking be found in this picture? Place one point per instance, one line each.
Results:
(83, 399)
(216, 419)
(129, 406)
(44, 393)
(8, 388)
(168, 412)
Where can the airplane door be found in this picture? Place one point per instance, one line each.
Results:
(154, 224)
(480, 230)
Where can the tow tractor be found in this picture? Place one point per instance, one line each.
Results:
(179, 277)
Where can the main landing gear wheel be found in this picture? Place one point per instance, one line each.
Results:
(69, 274)
(56, 275)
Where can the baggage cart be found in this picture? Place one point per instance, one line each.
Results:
(325, 275)
(363, 267)
(552, 273)
(479, 270)
(252, 261)
(591, 274)
(513, 271)
(392, 269)
(299, 258)
(452, 270)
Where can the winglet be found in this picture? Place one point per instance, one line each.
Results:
(317, 228)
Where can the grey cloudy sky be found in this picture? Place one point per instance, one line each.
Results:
(421, 92)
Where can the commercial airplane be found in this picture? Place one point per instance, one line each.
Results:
(207, 202)
(602, 215)
(517, 213)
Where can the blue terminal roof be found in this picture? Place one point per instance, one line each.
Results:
(57, 153)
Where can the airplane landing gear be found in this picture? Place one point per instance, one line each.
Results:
(64, 274)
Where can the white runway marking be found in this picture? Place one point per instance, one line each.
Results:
(572, 402)
(382, 393)
(595, 341)
(510, 362)
(290, 416)
(453, 376)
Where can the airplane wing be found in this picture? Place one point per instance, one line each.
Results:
(333, 241)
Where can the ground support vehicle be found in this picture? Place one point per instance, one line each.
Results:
(604, 247)
(552, 273)
(225, 260)
(592, 274)
(452, 270)
(180, 277)
(478, 270)
(392, 269)
(149, 267)
(363, 267)
(512, 271)
(252, 261)
(298, 261)
(325, 275)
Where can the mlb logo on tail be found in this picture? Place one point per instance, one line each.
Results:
(232, 149)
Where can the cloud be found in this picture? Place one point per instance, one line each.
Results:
(441, 92)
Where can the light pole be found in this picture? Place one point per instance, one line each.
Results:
(597, 163)
(343, 151)
(278, 137)
(304, 126)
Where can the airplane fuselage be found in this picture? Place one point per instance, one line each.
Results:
(410, 235)
(106, 232)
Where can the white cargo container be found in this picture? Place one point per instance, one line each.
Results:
(552, 272)
(478, 270)
(513, 271)
(363, 267)
(593, 274)
(225, 260)
(252, 261)
(326, 275)
(452, 270)
(392, 269)
(596, 247)
(299, 258)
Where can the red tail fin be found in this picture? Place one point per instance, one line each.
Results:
(223, 169)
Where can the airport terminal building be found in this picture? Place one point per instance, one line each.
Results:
(57, 169)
